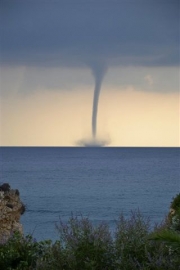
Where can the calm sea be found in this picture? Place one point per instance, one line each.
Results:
(96, 182)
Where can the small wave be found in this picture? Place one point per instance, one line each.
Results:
(43, 211)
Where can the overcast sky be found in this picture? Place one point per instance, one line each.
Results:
(50, 51)
(41, 32)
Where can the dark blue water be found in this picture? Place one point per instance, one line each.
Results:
(96, 182)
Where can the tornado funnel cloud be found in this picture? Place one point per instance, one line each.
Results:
(98, 71)
(98, 75)
(95, 107)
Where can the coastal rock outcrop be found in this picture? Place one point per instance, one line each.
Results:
(11, 209)
(174, 214)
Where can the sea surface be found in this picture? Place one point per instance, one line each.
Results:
(98, 182)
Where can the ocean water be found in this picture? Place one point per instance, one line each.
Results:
(100, 183)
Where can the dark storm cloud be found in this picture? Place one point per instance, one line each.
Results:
(74, 33)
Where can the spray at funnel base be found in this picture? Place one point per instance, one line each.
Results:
(93, 142)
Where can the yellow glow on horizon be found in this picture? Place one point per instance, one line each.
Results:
(126, 117)
(145, 119)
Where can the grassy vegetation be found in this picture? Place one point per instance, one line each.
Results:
(83, 246)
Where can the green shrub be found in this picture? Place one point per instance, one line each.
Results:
(21, 252)
(170, 235)
(133, 248)
(87, 246)
(174, 216)
(170, 238)
(175, 204)
(84, 246)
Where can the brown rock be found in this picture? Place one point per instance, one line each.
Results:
(11, 209)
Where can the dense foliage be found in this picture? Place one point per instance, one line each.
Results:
(175, 204)
(84, 246)
(171, 233)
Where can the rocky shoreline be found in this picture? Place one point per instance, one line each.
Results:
(11, 209)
